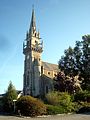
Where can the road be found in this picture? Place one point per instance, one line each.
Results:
(53, 117)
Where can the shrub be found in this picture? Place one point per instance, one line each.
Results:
(51, 109)
(60, 99)
(84, 107)
(29, 106)
(1, 105)
(52, 98)
(84, 110)
(82, 96)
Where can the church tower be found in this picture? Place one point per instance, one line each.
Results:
(32, 49)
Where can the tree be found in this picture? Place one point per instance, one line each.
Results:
(66, 62)
(85, 71)
(76, 61)
(65, 83)
(10, 95)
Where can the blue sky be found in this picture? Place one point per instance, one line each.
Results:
(61, 23)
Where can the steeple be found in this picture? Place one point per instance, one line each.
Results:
(33, 22)
(32, 49)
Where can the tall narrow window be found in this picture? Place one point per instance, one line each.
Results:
(35, 34)
(46, 89)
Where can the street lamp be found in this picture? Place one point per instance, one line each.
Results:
(14, 105)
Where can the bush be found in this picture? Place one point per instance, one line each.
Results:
(61, 99)
(29, 106)
(1, 105)
(84, 110)
(84, 107)
(51, 110)
(82, 96)
(52, 98)
(58, 98)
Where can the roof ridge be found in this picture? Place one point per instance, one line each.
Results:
(50, 63)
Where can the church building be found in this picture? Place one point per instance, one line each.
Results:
(38, 75)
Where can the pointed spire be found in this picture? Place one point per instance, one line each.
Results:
(33, 22)
(27, 35)
(38, 34)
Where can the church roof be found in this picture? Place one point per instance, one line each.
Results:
(50, 66)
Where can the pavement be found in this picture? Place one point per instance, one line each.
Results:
(51, 117)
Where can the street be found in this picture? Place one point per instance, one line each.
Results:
(53, 117)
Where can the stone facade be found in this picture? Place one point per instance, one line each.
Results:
(38, 75)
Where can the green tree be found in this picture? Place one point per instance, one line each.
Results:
(85, 71)
(10, 95)
(76, 61)
(66, 62)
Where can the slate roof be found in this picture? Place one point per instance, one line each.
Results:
(50, 66)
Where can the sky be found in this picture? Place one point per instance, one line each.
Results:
(60, 22)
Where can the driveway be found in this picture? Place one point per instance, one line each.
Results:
(53, 117)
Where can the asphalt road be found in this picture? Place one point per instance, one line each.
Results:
(53, 117)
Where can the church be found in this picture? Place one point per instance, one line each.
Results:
(38, 75)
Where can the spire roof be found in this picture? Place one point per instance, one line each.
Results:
(33, 22)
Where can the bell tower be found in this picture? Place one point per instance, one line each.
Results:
(32, 49)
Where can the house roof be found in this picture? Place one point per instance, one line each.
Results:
(50, 66)
(18, 92)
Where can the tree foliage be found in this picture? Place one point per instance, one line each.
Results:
(76, 61)
(10, 95)
(65, 83)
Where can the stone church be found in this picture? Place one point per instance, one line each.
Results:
(38, 75)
